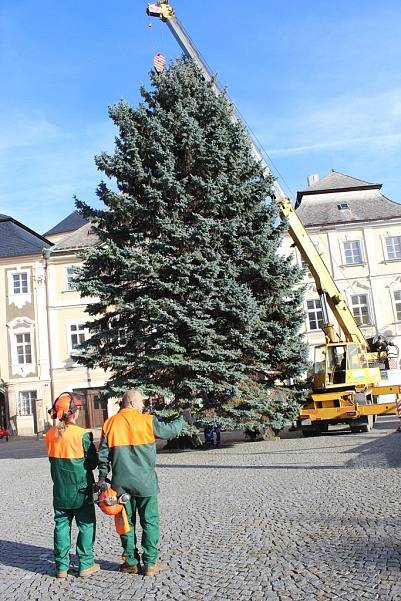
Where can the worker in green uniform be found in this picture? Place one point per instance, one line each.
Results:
(72, 457)
(128, 444)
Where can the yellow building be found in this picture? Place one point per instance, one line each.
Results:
(67, 318)
(357, 230)
(25, 388)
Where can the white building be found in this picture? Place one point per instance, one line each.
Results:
(357, 230)
(25, 380)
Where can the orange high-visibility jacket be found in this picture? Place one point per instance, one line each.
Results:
(72, 458)
(128, 446)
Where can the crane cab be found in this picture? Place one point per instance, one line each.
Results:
(343, 364)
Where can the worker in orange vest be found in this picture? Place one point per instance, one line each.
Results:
(72, 457)
(128, 446)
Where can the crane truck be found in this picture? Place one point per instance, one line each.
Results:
(348, 369)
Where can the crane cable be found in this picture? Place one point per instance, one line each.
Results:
(156, 45)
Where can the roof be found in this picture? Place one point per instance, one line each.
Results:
(361, 202)
(71, 223)
(336, 182)
(18, 240)
(84, 237)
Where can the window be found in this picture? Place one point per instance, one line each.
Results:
(397, 304)
(353, 252)
(20, 283)
(77, 335)
(343, 206)
(24, 349)
(393, 247)
(70, 274)
(119, 334)
(19, 287)
(122, 337)
(26, 400)
(315, 314)
(357, 358)
(22, 346)
(360, 309)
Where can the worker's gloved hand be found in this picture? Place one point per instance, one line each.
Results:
(186, 414)
(101, 484)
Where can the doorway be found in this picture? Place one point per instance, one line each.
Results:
(94, 411)
(3, 412)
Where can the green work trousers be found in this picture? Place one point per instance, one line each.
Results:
(86, 522)
(148, 513)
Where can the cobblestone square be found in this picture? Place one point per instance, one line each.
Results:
(294, 519)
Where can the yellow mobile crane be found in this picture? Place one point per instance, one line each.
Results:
(346, 369)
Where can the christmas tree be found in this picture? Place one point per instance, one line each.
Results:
(194, 303)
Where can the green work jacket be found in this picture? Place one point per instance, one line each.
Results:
(128, 446)
(72, 458)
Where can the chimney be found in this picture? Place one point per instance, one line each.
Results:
(313, 179)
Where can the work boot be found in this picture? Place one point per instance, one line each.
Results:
(89, 571)
(154, 570)
(62, 574)
(127, 569)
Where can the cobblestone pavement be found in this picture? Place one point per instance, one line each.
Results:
(310, 519)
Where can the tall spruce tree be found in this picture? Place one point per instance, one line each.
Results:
(195, 304)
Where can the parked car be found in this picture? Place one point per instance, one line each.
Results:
(4, 433)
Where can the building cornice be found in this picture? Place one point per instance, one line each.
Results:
(20, 259)
(351, 224)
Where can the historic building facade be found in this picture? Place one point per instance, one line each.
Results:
(67, 318)
(357, 231)
(42, 322)
(25, 390)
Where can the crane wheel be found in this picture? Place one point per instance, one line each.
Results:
(363, 424)
(317, 429)
(309, 433)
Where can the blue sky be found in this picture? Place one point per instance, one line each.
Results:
(319, 82)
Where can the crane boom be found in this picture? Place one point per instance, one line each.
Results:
(166, 13)
(325, 284)
(327, 289)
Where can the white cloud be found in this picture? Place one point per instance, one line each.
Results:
(19, 131)
(385, 141)
(342, 122)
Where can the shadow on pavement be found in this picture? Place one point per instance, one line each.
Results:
(383, 452)
(38, 560)
(26, 557)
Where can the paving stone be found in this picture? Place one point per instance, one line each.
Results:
(294, 520)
